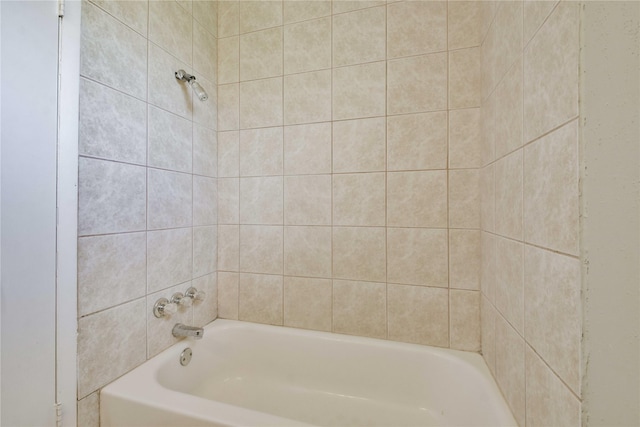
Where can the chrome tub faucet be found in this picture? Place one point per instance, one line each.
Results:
(182, 331)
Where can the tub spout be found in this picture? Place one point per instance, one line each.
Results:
(181, 331)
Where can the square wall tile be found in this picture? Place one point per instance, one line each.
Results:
(229, 154)
(417, 256)
(359, 145)
(111, 197)
(359, 308)
(464, 78)
(509, 114)
(509, 195)
(465, 138)
(308, 303)
(205, 47)
(307, 45)
(228, 295)
(359, 199)
(509, 287)
(228, 201)
(417, 141)
(133, 14)
(464, 24)
(256, 15)
(261, 103)
(165, 91)
(416, 27)
(169, 258)
(206, 311)
(169, 199)
(229, 107)
(228, 18)
(508, 30)
(417, 84)
(261, 151)
(303, 10)
(359, 253)
(488, 333)
(464, 309)
(89, 411)
(206, 13)
(205, 151)
(261, 249)
(307, 97)
(551, 204)
(343, 6)
(535, 13)
(112, 125)
(359, 91)
(261, 54)
(261, 200)
(418, 314)
(100, 285)
(170, 141)
(359, 37)
(488, 266)
(260, 298)
(307, 251)
(510, 367)
(228, 247)
(464, 209)
(307, 149)
(204, 250)
(417, 199)
(488, 198)
(307, 200)
(229, 60)
(464, 259)
(171, 27)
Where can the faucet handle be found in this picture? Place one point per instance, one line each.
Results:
(181, 300)
(195, 295)
(163, 307)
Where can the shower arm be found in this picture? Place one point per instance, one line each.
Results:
(184, 76)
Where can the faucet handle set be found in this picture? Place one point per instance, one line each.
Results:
(166, 308)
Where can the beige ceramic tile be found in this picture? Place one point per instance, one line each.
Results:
(417, 141)
(359, 145)
(551, 72)
(464, 259)
(261, 54)
(111, 270)
(464, 78)
(228, 18)
(261, 103)
(510, 282)
(205, 151)
(359, 91)
(509, 116)
(261, 151)
(307, 45)
(307, 97)
(359, 37)
(228, 154)
(417, 256)
(206, 311)
(204, 250)
(261, 249)
(171, 27)
(416, 27)
(307, 251)
(464, 307)
(308, 303)
(228, 200)
(111, 197)
(535, 12)
(256, 15)
(98, 365)
(489, 58)
(89, 411)
(488, 130)
(228, 295)
(307, 149)
(359, 253)
(159, 336)
(169, 141)
(549, 401)
(228, 107)
(132, 13)
(510, 367)
(205, 198)
(110, 50)
(488, 265)
(509, 195)
(464, 24)
(464, 206)
(359, 308)
(417, 84)
(206, 113)
(464, 138)
(487, 199)
(553, 311)
(261, 200)
(551, 211)
(206, 13)
(303, 10)
(419, 315)
(229, 60)
(307, 200)
(228, 247)
(508, 27)
(488, 333)
(261, 298)
(417, 199)
(205, 48)
(169, 258)
(112, 125)
(342, 6)
(359, 199)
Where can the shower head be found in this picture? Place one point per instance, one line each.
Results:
(186, 77)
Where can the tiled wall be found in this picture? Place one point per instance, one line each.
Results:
(348, 156)
(531, 307)
(147, 182)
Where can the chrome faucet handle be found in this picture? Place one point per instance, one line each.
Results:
(164, 308)
(195, 295)
(181, 300)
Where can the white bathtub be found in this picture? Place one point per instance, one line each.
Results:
(244, 374)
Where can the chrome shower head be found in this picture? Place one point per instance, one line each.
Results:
(186, 77)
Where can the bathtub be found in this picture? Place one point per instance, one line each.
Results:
(244, 374)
